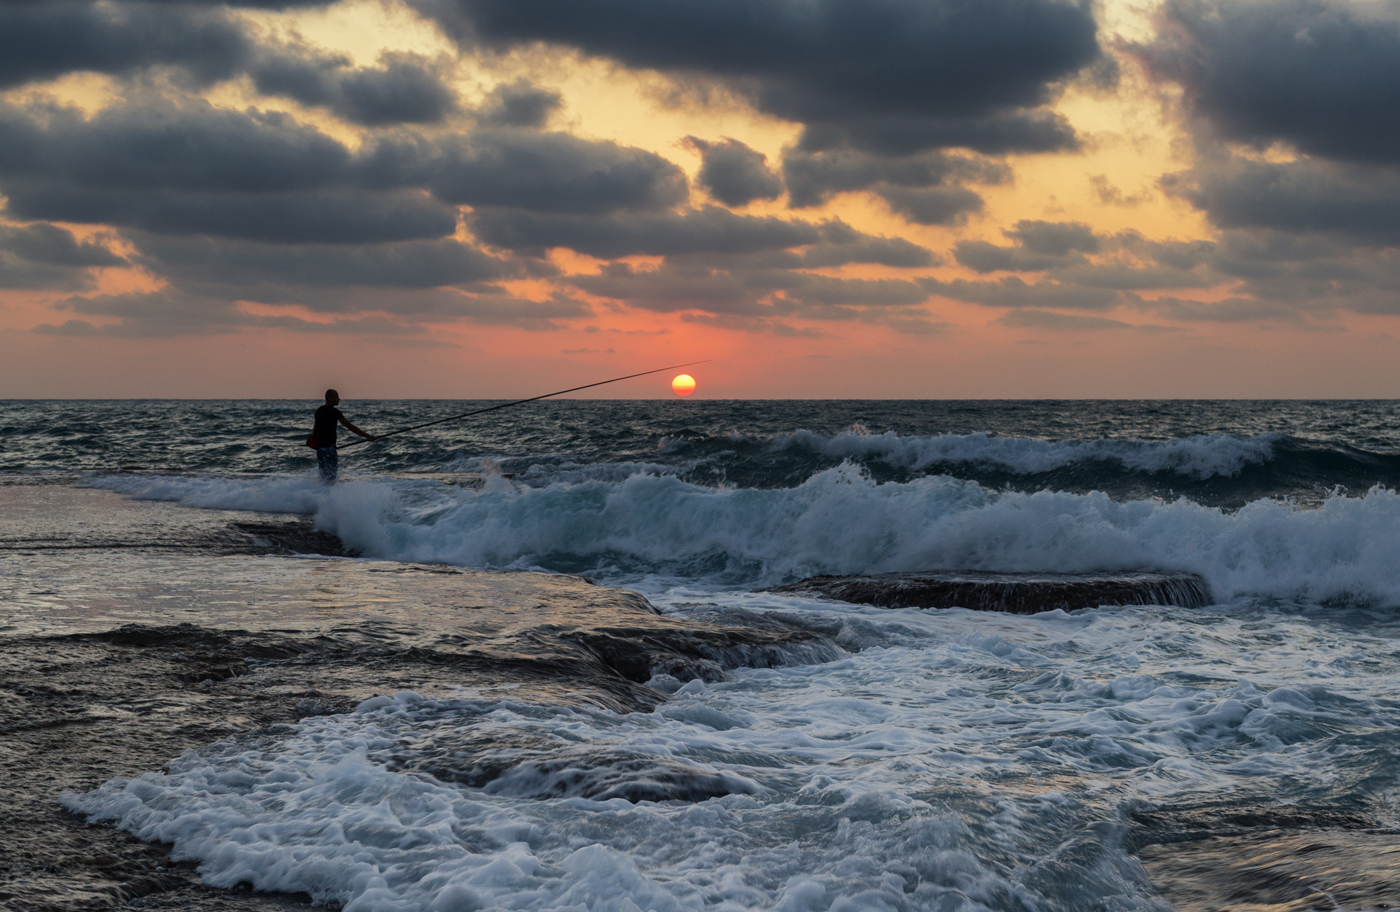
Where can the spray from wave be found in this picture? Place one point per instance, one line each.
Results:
(1202, 456)
(838, 521)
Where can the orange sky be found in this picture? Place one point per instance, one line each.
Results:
(1130, 134)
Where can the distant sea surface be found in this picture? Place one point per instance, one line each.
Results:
(739, 749)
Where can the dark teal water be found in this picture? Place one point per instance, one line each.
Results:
(1215, 452)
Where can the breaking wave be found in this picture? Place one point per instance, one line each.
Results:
(838, 521)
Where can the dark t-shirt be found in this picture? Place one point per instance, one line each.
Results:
(326, 418)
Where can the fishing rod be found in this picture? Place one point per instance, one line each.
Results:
(492, 408)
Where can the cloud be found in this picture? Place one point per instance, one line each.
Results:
(1012, 291)
(176, 311)
(814, 176)
(735, 174)
(765, 293)
(1039, 246)
(672, 288)
(519, 104)
(404, 88)
(993, 134)
(1316, 83)
(835, 63)
(710, 229)
(1357, 201)
(842, 245)
(754, 325)
(189, 167)
(48, 257)
(44, 243)
(168, 312)
(1047, 319)
(44, 40)
(525, 169)
(932, 206)
(1057, 239)
(1227, 310)
(1321, 75)
(245, 264)
(506, 310)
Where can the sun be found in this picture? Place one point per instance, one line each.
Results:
(684, 384)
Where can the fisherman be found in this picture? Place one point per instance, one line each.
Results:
(323, 436)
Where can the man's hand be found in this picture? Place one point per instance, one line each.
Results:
(371, 437)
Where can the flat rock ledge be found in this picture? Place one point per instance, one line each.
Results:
(1014, 593)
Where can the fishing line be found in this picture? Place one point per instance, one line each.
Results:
(492, 408)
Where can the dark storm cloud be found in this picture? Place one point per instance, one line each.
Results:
(696, 286)
(708, 230)
(1039, 246)
(932, 205)
(894, 136)
(163, 145)
(169, 312)
(1129, 261)
(48, 257)
(404, 88)
(677, 287)
(842, 245)
(407, 264)
(192, 168)
(52, 245)
(1359, 202)
(735, 174)
(43, 40)
(202, 42)
(1323, 76)
(525, 169)
(1130, 277)
(1055, 238)
(173, 312)
(1012, 291)
(504, 310)
(813, 177)
(792, 245)
(519, 104)
(332, 216)
(981, 256)
(824, 290)
(822, 62)
(1229, 310)
(188, 166)
(925, 188)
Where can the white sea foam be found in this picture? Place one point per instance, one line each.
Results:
(840, 521)
(1202, 456)
(267, 494)
(983, 765)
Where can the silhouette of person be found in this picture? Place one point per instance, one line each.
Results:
(327, 417)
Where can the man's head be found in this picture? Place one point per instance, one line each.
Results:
(332, 397)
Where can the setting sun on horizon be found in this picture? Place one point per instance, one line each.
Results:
(461, 198)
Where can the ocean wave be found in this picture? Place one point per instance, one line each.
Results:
(1202, 456)
(268, 494)
(841, 521)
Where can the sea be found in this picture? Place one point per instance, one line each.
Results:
(541, 659)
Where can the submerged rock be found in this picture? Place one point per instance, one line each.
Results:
(1016, 593)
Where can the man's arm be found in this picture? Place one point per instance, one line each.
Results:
(357, 430)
